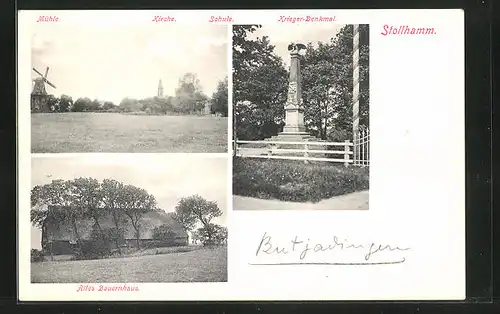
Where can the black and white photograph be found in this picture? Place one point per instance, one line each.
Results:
(129, 88)
(129, 219)
(301, 131)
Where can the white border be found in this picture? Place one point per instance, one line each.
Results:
(436, 269)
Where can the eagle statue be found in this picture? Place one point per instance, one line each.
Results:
(295, 48)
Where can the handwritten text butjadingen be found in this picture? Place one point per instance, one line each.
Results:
(304, 248)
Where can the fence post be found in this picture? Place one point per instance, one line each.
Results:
(235, 147)
(346, 153)
(362, 147)
(306, 155)
(367, 147)
(354, 146)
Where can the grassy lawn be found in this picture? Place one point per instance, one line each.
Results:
(114, 132)
(294, 181)
(204, 265)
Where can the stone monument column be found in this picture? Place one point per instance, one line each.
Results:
(294, 129)
(294, 111)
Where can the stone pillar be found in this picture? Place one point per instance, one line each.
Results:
(294, 111)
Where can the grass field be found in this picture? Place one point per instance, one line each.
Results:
(293, 181)
(113, 132)
(204, 265)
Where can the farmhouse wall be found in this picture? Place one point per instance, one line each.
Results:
(61, 238)
(60, 247)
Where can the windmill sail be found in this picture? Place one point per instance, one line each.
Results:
(37, 72)
(49, 83)
(43, 78)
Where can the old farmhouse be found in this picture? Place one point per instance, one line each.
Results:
(58, 237)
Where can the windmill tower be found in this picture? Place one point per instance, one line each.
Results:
(160, 89)
(39, 96)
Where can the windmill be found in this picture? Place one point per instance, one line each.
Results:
(39, 96)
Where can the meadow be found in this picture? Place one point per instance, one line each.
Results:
(203, 265)
(293, 181)
(114, 132)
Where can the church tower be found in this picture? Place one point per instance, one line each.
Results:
(160, 89)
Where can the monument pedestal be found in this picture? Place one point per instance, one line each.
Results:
(293, 137)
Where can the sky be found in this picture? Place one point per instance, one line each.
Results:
(110, 63)
(169, 177)
(281, 35)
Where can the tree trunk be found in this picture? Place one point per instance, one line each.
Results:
(44, 236)
(96, 221)
(117, 241)
(137, 235)
(75, 229)
(326, 119)
(138, 241)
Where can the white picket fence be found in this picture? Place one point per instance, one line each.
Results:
(340, 152)
(361, 148)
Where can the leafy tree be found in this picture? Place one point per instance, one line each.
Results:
(108, 106)
(111, 192)
(211, 234)
(195, 209)
(37, 256)
(39, 214)
(341, 120)
(189, 97)
(260, 83)
(115, 235)
(88, 196)
(94, 105)
(130, 105)
(220, 99)
(52, 102)
(65, 103)
(318, 75)
(99, 246)
(55, 201)
(81, 104)
(134, 202)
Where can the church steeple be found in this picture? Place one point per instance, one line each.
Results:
(160, 89)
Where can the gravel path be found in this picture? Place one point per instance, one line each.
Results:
(352, 201)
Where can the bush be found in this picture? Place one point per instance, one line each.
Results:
(290, 180)
(90, 250)
(116, 235)
(211, 234)
(163, 236)
(37, 256)
(98, 247)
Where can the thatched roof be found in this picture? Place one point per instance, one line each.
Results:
(63, 231)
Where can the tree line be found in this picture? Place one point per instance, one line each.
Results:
(188, 99)
(260, 84)
(86, 198)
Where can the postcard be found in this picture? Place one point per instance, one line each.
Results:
(233, 155)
